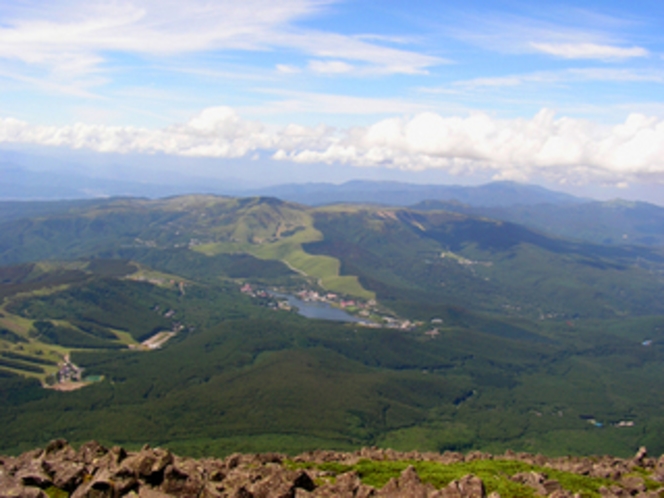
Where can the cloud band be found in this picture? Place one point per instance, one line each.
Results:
(561, 149)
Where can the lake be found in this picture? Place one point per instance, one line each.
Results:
(317, 309)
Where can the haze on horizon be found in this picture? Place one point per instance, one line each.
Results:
(567, 95)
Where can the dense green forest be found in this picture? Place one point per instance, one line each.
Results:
(512, 339)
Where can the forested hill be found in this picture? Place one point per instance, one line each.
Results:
(172, 322)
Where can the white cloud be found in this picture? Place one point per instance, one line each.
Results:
(215, 132)
(287, 69)
(77, 27)
(581, 35)
(379, 59)
(73, 37)
(75, 88)
(617, 75)
(498, 81)
(589, 51)
(330, 67)
(560, 149)
(539, 78)
(322, 103)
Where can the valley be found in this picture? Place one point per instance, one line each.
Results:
(469, 332)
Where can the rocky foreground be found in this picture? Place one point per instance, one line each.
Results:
(94, 471)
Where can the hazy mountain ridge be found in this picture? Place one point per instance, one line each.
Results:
(616, 222)
(404, 194)
(609, 222)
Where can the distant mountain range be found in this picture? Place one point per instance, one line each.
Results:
(610, 222)
(405, 194)
(18, 182)
(557, 213)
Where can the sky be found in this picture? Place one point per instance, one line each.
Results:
(566, 94)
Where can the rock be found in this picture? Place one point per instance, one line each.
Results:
(469, 486)
(233, 460)
(372, 453)
(478, 455)
(346, 486)
(97, 490)
(33, 474)
(561, 493)
(152, 493)
(450, 457)
(66, 475)
(18, 491)
(118, 454)
(612, 491)
(534, 480)
(241, 493)
(107, 484)
(56, 446)
(604, 471)
(182, 479)
(538, 482)
(274, 486)
(633, 485)
(408, 485)
(472, 487)
(551, 486)
(9, 487)
(263, 458)
(641, 455)
(90, 452)
(147, 465)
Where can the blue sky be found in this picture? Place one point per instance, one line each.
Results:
(566, 94)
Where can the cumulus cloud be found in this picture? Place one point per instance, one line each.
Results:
(559, 148)
(562, 149)
(215, 132)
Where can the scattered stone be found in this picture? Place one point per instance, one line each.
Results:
(94, 471)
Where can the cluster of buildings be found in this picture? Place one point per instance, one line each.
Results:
(365, 309)
(399, 323)
(69, 372)
(621, 424)
(251, 292)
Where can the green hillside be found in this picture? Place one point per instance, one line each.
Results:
(425, 258)
(488, 335)
(263, 227)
